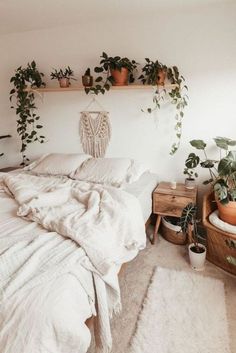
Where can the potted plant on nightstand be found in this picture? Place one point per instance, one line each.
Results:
(191, 163)
(188, 223)
(63, 76)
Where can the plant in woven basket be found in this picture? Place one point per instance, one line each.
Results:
(3, 137)
(23, 101)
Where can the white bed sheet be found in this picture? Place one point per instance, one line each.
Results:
(73, 298)
(142, 189)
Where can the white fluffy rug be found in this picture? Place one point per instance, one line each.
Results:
(182, 313)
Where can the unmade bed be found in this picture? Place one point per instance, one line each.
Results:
(47, 294)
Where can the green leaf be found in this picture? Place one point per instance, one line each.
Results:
(192, 161)
(198, 144)
(227, 165)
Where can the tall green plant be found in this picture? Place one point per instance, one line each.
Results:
(23, 101)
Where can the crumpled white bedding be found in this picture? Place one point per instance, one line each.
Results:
(46, 279)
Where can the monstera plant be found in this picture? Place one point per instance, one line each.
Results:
(222, 174)
(23, 101)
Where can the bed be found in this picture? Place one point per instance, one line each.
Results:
(50, 286)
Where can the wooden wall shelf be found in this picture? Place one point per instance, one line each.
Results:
(81, 88)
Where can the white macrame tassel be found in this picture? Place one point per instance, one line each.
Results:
(95, 133)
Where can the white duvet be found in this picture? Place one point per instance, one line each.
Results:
(51, 276)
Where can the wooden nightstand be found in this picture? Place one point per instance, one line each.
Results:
(170, 202)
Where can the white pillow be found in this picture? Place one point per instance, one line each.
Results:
(111, 171)
(60, 163)
(135, 171)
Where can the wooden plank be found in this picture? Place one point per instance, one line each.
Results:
(165, 188)
(81, 88)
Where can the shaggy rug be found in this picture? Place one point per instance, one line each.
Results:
(183, 312)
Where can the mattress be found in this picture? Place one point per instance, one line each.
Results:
(142, 190)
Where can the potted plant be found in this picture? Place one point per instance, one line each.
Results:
(63, 76)
(191, 163)
(87, 79)
(222, 176)
(156, 73)
(116, 71)
(23, 100)
(3, 137)
(153, 73)
(188, 223)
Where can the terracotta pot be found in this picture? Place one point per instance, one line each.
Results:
(87, 81)
(227, 213)
(64, 82)
(161, 76)
(120, 77)
(190, 183)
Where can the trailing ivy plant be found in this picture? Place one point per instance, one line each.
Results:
(108, 63)
(177, 93)
(179, 98)
(23, 101)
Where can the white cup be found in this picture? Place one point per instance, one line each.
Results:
(173, 184)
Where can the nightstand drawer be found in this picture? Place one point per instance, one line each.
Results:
(170, 205)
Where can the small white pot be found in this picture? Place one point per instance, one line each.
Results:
(197, 260)
(190, 183)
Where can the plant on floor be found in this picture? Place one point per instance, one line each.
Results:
(115, 71)
(23, 101)
(188, 223)
(4, 137)
(155, 73)
(63, 76)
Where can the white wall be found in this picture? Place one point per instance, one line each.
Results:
(200, 40)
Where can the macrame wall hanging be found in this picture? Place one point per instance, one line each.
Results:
(95, 130)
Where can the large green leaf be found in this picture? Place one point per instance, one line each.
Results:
(227, 165)
(208, 163)
(221, 191)
(198, 144)
(188, 216)
(224, 142)
(192, 161)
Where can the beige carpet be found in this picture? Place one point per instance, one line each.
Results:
(134, 282)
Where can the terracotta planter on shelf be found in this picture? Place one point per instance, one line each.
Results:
(227, 213)
(64, 82)
(161, 76)
(120, 77)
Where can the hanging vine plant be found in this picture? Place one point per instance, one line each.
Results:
(154, 73)
(23, 101)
